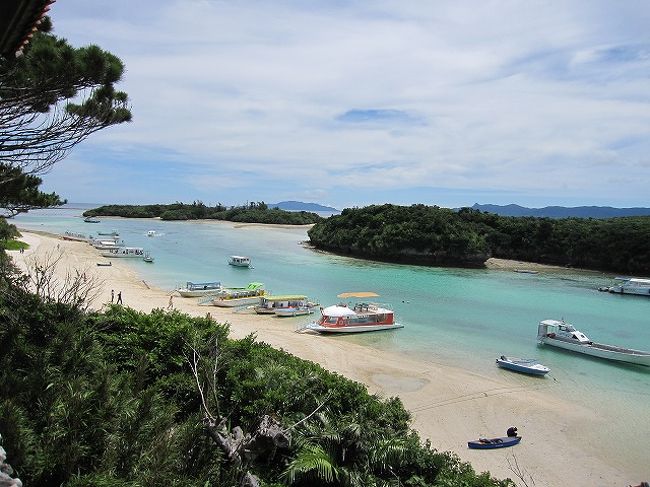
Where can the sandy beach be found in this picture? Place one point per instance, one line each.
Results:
(449, 406)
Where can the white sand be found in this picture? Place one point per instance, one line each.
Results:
(449, 405)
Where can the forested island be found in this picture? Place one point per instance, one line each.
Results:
(431, 235)
(254, 212)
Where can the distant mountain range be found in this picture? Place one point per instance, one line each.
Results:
(300, 206)
(563, 211)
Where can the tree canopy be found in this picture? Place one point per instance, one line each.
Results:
(253, 212)
(439, 236)
(52, 98)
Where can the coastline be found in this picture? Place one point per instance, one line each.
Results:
(449, 405)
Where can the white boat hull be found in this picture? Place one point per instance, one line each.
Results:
(352, 328)
(630, 290)
(233, 303)
(291, 312)
(120, 256)
(196, 294)
(606, 352)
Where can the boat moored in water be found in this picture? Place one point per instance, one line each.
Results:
(196, 289)
(126, 252)
(359, 318)
(113, 233)
(630, 285)
(524, 365)
(90, 219)
(563, 335)
(239, 261)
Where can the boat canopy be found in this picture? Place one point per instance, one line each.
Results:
(338, 311)
(358, 295)
(193, 286)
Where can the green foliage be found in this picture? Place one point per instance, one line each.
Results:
(19, 192)
(108, 398)
(439, 236)
(250, 213)
(416, 234)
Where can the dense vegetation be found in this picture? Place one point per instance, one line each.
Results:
(440, 236)
(250, 213)
(111, 399)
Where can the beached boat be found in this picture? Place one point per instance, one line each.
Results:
(106, 244)
(239, 261)
(523, 365)
(75, 237)
(125, 252)
(104, 264)
(489, 443)
(630, 285)
(236, 296)
(563, 335)
(284, 305)
(90, 219)
(196, 289)
(358, 318)
(113, 233)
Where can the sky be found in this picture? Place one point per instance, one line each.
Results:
(350, 103)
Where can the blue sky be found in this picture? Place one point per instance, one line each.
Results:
(352, 103)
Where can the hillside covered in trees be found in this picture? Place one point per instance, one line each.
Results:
(250, 213)
(127, 398)
(432, 235)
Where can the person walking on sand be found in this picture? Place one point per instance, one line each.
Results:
(119, 297)
(112, 295)
(170, 305)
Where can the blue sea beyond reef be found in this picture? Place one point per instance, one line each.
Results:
(460, 317)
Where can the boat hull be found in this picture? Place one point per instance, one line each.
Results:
(606, 352)
(197, 293)
(492, 443)
(636, 292)
(291, 312)
(353, 328)
(233, 303)
(532, 369)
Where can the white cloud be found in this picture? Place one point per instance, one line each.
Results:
(513, 94)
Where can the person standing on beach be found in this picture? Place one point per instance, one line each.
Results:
(119, 297)
(112, 295)
(171, 302)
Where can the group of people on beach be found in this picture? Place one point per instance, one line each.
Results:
(119, 297)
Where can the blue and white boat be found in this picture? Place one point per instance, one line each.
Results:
(489, 443)
(196, 289)
(524, 365)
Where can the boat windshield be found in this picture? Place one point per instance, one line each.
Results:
(567, 328)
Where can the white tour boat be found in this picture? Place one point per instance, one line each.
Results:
(563, 335)
(196, 289)
(233, 297)
(151, 233)
(630, 285)
(127, 252)
(359, 318)
(239, 261)
(285, 305)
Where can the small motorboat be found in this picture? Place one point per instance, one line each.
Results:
(148, 258)
(524, 365)
(90, 219)
(489, 443)
(104, 264)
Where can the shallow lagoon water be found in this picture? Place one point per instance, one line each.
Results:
(460, 317)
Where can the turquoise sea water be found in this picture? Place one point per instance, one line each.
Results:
(461, 317)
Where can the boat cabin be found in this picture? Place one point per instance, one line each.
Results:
(202, 286)
(239, 261)
(359, 314)
(562, 331)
